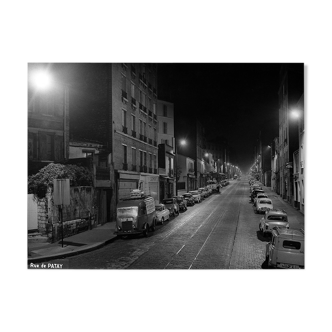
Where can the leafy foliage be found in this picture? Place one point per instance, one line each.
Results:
(40, 182)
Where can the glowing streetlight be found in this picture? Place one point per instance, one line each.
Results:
(183, 142)
(41, 80)
(206, 154)
(295, 114)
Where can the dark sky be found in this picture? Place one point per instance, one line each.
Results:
(235, 101)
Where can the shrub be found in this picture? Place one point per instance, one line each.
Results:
(40, 182)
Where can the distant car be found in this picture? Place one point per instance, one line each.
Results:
(189, 198)
(203, 192)
(172, 206)
(273, 218)
(181, 202)
(286, 249)
(196, 195)
(260, 195)
(162, 213)
(262, 205)
(255, 193)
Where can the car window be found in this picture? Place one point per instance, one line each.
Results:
(159, 208)
(280, 218)
(264, 201)
(291, 244)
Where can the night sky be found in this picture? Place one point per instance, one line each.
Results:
(234, 101)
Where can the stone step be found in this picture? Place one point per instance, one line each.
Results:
(38, 238)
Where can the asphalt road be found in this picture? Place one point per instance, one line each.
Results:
(219, 233)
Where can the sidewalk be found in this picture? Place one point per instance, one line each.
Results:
(73, 245)
(295, 217)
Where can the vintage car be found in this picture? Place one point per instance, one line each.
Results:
(255, 193)
(203, 192)
(181, 202)
(286, 249)
(263, 205)
(162, 213)
(196, 196)
(172, 206)
(273, 218)
(189, 198)
(259, 195)
(135, 216)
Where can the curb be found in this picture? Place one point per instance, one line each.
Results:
(72, 253)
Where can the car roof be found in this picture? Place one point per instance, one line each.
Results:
(289, 233)
(264, 199)
(160, 205)
(277, 211)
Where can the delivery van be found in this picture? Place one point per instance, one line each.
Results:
(135, 216)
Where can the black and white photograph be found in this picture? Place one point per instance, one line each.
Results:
(166, 165)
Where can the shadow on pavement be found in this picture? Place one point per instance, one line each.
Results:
(262, 238)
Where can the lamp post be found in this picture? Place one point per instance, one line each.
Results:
(182, 142)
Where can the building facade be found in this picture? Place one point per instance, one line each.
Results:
(134, 128)
(290, 89)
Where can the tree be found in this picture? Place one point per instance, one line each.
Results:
(39, 183)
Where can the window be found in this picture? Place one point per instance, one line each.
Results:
(124, 118)
(133, 156)
(155, 161)
(165, 110)
(165, 127)
(291, 245)
(141, 157)
(145, 161)
(133, 124)
(142, 97)
(154, 108)
(124, 84)
(144, 127)
(133, 90)
(141, 127)
(124, 154)
(150, 131)
(155, 134)
(150, 160)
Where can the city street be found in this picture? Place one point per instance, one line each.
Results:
(219, 233)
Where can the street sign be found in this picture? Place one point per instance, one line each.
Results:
(61, 191)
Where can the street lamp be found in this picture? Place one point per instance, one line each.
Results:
(182, 142)
(41, 80)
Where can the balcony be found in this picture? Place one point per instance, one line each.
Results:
(150, 87)
(150, 141)
(141, 137)
(150, 113)
(150, 170)
(155, 143)
(133, 133)
(134, 168)
(125, 166)
(125, 130)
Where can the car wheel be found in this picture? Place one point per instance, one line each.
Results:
(153, 227)
(146, 231)
(162, 221)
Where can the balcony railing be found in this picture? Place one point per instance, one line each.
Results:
(141, 137)
(125, 166)
(133, 133)
(125, 129)
(133, 168)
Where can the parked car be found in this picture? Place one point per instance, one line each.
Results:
(196, 196)
(263, 205)
(189, 198)
(135, 216)
(273, 218)
(259, 195)
(181, 202)
(172, 206)
(255, 193)
(162, 213)
(286, 249)
(203, 192)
